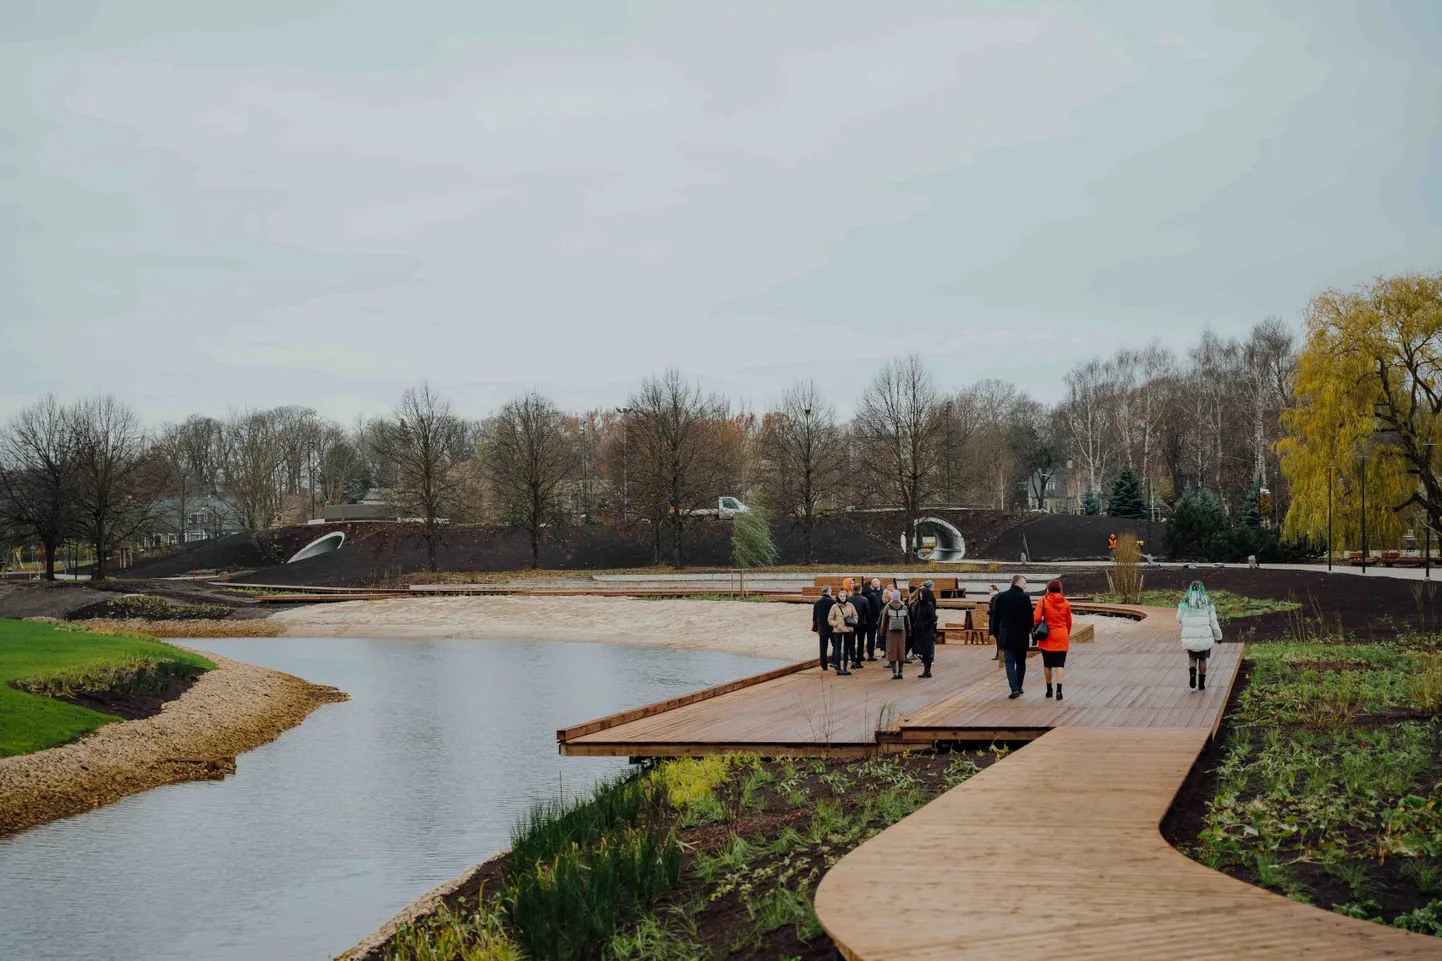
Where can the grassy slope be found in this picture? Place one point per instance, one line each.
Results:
(29, 722)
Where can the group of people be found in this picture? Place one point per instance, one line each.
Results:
(852, 624)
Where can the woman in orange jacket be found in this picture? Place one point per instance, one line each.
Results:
(1055, 609)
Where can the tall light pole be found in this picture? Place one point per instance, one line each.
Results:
(1364, 513)
(1427, 525)
(1331, 473)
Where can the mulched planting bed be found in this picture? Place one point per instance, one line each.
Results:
(132, 705)
(752, 839)
(149, 608)
(1326, 782)
(1339, 605)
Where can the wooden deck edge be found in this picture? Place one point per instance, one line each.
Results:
(566, 734)
(703, 749)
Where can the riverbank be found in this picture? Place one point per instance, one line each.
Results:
(230, 710)
(721, 858)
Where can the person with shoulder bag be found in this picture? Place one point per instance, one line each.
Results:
(843, 622)
(1052, 630)
(895, 625)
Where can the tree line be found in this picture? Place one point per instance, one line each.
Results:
(1142, 420)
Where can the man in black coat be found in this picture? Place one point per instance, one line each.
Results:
(873, 597)
(923, 641)
(820, 612)
(864, 615)
(1012, 622)
(991, 619)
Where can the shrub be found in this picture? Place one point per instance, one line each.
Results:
(1126, 574)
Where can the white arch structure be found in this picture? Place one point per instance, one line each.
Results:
(321, 545)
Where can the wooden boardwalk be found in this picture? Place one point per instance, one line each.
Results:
(1055, 853)
(1133, 675)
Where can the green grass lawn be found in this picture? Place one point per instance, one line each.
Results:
(32, 722)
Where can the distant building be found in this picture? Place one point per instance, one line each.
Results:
(205, 518)
(1056, 494)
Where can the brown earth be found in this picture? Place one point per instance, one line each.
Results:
(724, 924)
(133, 705)
(1366, 608)
(228, 711)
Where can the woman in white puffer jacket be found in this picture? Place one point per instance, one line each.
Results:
(1200, 631)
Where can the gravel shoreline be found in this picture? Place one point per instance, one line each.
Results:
(233, 709)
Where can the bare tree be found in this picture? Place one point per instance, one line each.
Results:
(528, 453)
(116, 493)
(341, 471)
(994, 404)
(254, 468)
(1270, 360)
(899, 422)
(1087, 416)
(804, 456)
(673, 428)
(39, 475)
(423, 443)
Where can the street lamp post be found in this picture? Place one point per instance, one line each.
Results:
(1331, 473)
(1364, 513)
(1427, 525)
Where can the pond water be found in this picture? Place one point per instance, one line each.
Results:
(323, 834)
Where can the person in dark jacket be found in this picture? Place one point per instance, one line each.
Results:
(923, 640)
(991, 619)
(864, 615)
(820, 623)
(873, 597)
(1013, 623)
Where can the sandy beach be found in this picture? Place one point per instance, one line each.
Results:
(760, 629)
(228, 711)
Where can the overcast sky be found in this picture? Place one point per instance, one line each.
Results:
(206, 206)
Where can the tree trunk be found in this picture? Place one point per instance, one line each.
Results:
(430, 544)
(676, 551)
(806, 537)
(49, 546)
(535, 546)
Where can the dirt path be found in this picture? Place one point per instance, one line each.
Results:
(228, 711)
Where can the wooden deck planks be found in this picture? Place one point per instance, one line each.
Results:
(1132, 676)
(1084, 874)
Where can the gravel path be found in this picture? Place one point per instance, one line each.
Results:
(228, 711)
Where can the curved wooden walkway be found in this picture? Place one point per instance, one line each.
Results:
(1055, 853)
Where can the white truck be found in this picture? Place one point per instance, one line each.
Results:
(725, 509)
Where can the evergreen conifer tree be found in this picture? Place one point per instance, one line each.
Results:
(1090, 503)
(1126, 496)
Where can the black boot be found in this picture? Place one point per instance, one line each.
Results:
(1201, 682)
(1191, 677)
(1058, 692)
(1048, 690)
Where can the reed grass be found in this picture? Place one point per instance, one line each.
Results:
(1126, 573)
(129, 675)
(551, 828)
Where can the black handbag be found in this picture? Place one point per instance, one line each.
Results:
(849, 621)
(1042, 630)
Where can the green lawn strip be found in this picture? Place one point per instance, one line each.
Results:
(1229, 605)
(1328, 786)
(699, 859)
(51, 657)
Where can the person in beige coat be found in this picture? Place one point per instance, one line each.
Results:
(896, 626)
(843, 623)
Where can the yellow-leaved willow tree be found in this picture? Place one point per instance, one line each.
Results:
(1369, 401)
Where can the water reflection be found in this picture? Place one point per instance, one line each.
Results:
(326, 832)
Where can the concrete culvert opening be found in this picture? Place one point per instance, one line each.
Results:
(937, 540)
(321, 545)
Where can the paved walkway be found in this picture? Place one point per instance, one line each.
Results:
(1055, 853)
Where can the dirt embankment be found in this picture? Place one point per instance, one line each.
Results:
(233, 709)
